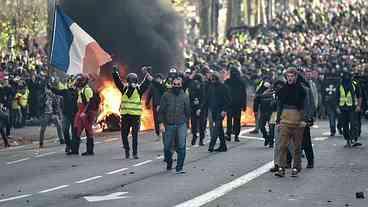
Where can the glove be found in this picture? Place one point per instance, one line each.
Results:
(338, 111)
(198, 112)
(115, 70)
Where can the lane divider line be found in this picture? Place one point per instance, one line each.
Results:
(246, 131)
(15, 197)
(18, 161)
(111, 140)
(252, 138)
(142, 163)
(116, 171)
(13, 148)
(53, 189)
(226, 188)
(88, 179)
(45, 154)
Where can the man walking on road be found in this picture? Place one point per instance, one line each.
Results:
(174, 114)
(290, 117)
(349, 99)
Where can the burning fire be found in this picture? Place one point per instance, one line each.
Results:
(248, 118)
(110, 106)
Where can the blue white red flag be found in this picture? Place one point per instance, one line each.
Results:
(73, 50)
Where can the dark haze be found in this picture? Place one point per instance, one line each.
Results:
(133, 32)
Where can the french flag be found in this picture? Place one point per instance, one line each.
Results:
(73, 50)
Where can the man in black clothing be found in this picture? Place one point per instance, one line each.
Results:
(7, 94)
(155, 92)
(309, 113)
(198, 117)
(36, 90)
(264, 102)
(69, 109)
(5, 91)
(218, 101)
(329, 100)
(238, 94)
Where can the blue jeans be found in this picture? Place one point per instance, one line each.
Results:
(332, 116)
(179, 134)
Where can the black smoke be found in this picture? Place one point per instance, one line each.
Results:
(134, 32)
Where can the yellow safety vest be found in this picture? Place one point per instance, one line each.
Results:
(346, 99)
(132, 105)
(16, 100)
(259, 85)
(23, 100)
(87, 92)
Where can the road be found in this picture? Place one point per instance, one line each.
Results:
(238, 177)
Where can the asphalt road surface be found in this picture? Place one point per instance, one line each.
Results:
(239, 177)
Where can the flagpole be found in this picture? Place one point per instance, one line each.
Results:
(51, 19)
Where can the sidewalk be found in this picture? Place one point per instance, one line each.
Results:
(30, 135)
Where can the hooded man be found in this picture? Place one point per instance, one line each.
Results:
(349, 102)
(238, 94)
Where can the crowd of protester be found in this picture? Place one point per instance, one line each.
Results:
(324, 41)
(24, 75)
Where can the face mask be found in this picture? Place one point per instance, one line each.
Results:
(133, 85)
(159, 81)
(176, 90)
(267, 84)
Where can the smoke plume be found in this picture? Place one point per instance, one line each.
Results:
(134, 32)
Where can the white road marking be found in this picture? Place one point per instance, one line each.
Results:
(111, 140)
(18, 161)
(113, 196)
(116, 171)
(98, 142)
(45, 154)
(252, 138)
(245, 131)
(13, 148)
(53, 189)
(326, 133)
(142, 163)
(160, 157)
(315, 126)
(15, 197)
(88, 179)
(320, 138)
(226, 188)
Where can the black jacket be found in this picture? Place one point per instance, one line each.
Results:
(196, 94)
(238, 93)
(70, 100)
(155, 92)
(217, 99)
(174, 109)
(7, 94)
